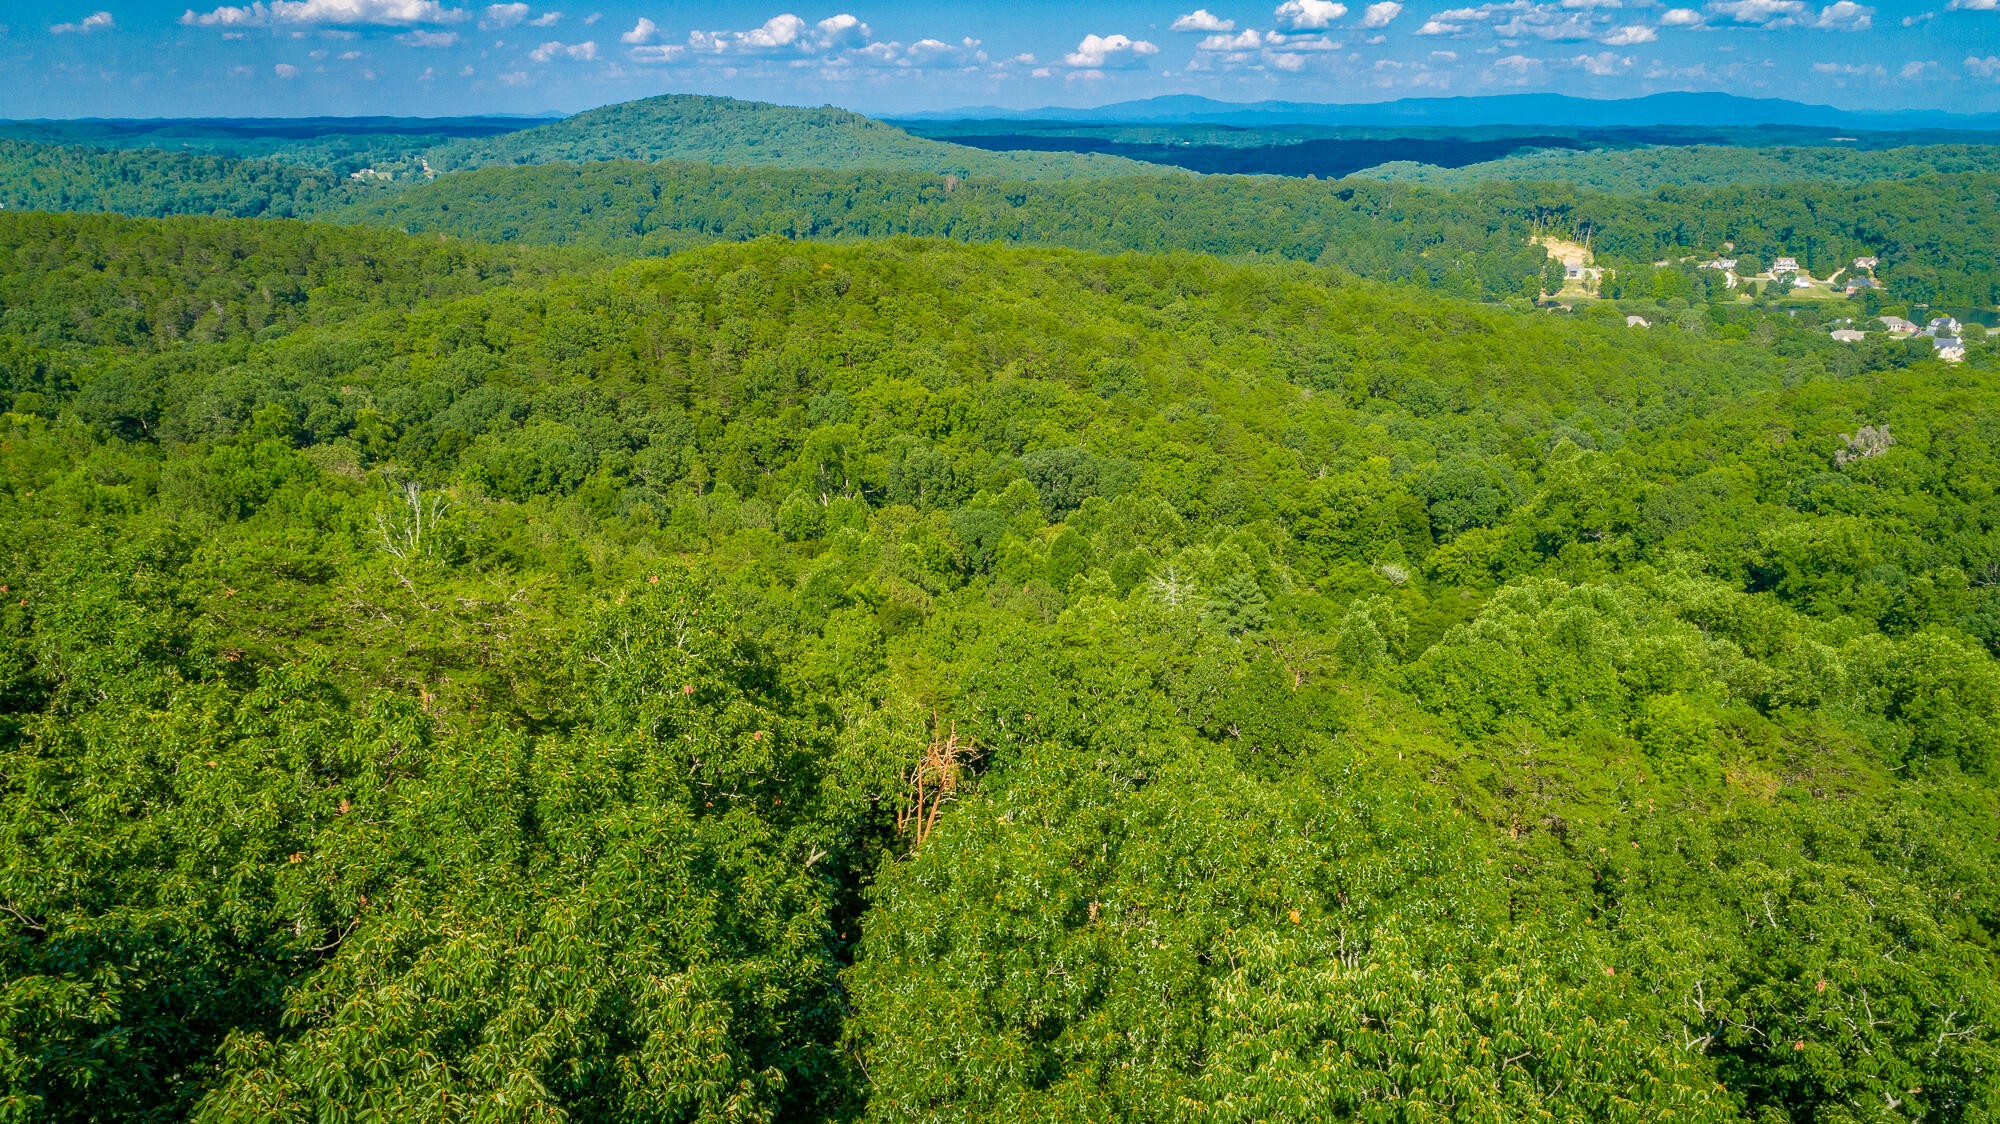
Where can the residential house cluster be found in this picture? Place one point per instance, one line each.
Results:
(1944, 332)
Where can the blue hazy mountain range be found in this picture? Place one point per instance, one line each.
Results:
(1709, 109)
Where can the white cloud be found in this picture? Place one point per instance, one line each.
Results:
(503, 15)
(1601, 64)
(386, 13)
(515, 78)
(933, 53)
(1761, 13)
(783, 35)
(1248, 39)
(546, 19)
(428, 38)
(1103, 52)
(580, 52)
(1201, 19)
(1920, 17)
(1973, 5)
(1845, 15)
(645, 31)
(654, 54)
(1914, 70)
(1312, 15)
(96, 21)
(1988, 67)
(1549, 20)
(1514, 70)
(1550, 24)
(286, 71)
(1680, 17)
(841, 31)
(1630, 35)
(1380, 15)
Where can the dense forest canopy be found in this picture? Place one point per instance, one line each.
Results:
(1933, 234)
(466, 680)
(1646, 170)
(591, 638)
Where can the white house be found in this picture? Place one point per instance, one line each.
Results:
(1866, 263)
(1898, 326)
(1951, 349)
(1636, 322)
(1849, 335)
(1785, 265)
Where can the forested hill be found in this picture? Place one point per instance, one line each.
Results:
(1934, 235)
(150, 182)
(1645, 170)
(726, 131)
(698, 688)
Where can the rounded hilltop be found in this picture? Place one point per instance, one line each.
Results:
(714, 130)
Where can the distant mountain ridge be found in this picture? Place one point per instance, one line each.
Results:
(1498, 109)
(726, 131)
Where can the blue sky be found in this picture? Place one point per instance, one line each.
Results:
(443, 57)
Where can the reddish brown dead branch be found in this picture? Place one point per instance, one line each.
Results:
(932, 781)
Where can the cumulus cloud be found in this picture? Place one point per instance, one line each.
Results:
(1201, 19)
(1380, 15)
(1555, 21)
(1601, 64)
(1914, 70)
(546, 19)
(1247, 40)
(383, 13)
(1973, 5)
(935, 53)
(286, 71)
(552, 50)
(784, 35)
(841, 31)
(1630, 35)
(645, 31)
(1514, 70)
(1309, 15)
(1108, 52)
(1680, 17)
(95, 21)
(1849, 70)
(428, 38)
(1988, 67)
(1761, 13)
(500, 16)
(657, 53)
(1845, 15)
